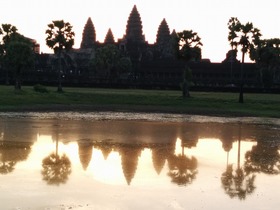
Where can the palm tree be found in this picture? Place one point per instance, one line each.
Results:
(60, 37)
(190, 45)
(245, 36)
(231, 38)
(189, 50)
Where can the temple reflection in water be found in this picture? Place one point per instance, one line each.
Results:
(130, 152)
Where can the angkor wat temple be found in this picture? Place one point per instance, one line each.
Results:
(149, 65)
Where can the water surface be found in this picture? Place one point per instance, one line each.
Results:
(136, 161)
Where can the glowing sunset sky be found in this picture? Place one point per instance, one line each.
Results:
(206, 17)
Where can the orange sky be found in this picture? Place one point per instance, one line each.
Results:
(207, 18)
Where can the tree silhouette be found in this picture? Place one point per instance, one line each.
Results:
(60, 38)
(267, 57)
(245, 36)
(182, 169)
(124, 66)
(16, 53)
(189, 50)
(56, 168)
(11, 153)
(7, 32)
(19, 57)
(187, 76)
(190, 45)
(7, 166)
(263, 158)
(238, 183)
(106, 60)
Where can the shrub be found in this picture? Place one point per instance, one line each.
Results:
(40, 88)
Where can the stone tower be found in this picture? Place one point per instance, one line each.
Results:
(133, 42)
(163, 33)
(165, 41)
(134, 27)
(89, 36)
(174, 44)
(109, 39)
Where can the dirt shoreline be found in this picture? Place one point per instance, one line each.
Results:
(147, 113)
(122, 108)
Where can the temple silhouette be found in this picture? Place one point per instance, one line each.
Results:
(133, 44)
(143, 65)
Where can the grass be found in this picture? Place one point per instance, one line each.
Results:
(206, 103)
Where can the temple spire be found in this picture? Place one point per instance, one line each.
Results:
(174, 33)
(109, 39)
(163, 33)
(89, 36)
(134, 27)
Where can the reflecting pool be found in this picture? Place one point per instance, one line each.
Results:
(138, 161)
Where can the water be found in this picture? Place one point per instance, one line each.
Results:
(108, 160)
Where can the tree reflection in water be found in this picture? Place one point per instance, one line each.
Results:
(11, 153)
(8, 163)
(238, 183)
(56, 168)
(7, 167)
(264, 157)
(182, 169)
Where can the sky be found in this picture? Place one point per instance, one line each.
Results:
(208, 18)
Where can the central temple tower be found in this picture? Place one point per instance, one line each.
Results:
(134, 31)
(133, 43)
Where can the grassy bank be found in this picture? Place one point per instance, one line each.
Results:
(91, 99)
